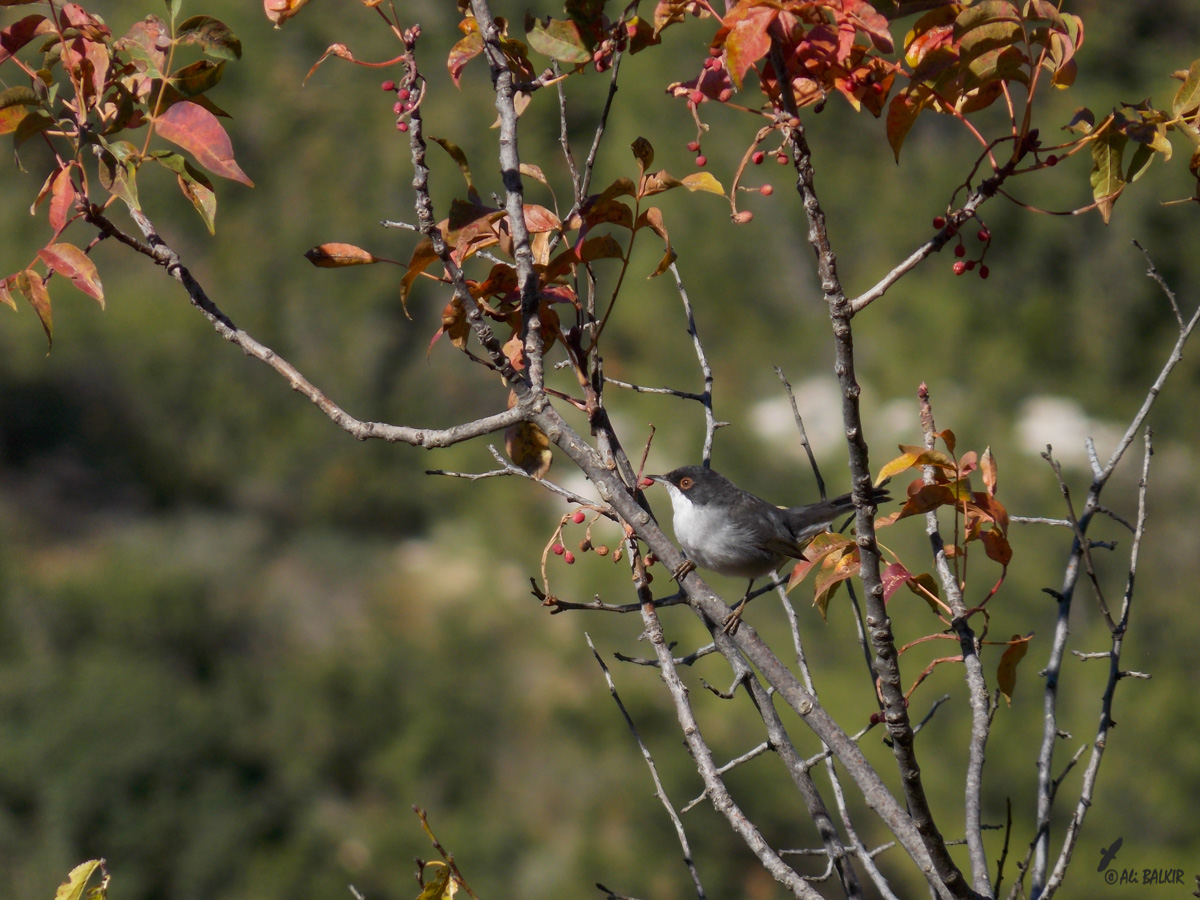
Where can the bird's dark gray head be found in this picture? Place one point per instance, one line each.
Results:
(697, 485)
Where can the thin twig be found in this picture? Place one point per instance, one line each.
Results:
(659, 790)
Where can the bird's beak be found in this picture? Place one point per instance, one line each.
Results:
(648, 480)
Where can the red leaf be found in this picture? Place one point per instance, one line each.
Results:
(62, 199)
(71, 262)
(20, 33)
(197, 131)
(748, 41)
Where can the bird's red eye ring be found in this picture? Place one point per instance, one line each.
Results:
(685, 483)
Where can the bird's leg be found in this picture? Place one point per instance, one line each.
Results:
(682, 569)
(735, 618)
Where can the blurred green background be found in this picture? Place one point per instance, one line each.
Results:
(236, 646)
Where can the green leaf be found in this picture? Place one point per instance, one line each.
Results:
(173, 8)
(32, 124)
(1106, 178)
(559, 40)
(214, 37)
(1187, 97)
(18, 96)
(1143, 155)
(193, 183)
(199, 77)
(119, 178)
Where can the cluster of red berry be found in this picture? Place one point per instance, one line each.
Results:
(962, 266)
(403, 106)
(559, 549)
(602, 56)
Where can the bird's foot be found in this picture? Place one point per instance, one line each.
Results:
(682, 569)
(735, 618)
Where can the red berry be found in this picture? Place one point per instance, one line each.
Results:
(714, 52)
(696, 97)
(766, 190)
(758, 157)
(960, 267)
(694, 146)
(781, 158)
(877, 87)
(558, 549)
(939, 221)
(569, 558)
(970, 265)
(708, 63)
(601, 65)
(651, 559)
(397, 108)
(701, 160)
(743, 216)
(876, 718)
(646, 482)
(388, 85)
(960, 250)
(578, 516)
(984, 271)
(725, 95)
(402, 127)
(1052, 160)
(984, 234)
(403, 93)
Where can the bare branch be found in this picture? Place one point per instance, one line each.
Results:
(710, 423)
(972, 672)
(1152, 272)
(514, 190)
(1114, 676)
(162, 254)
(659, 790)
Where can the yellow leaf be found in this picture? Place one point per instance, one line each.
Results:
(528, 447)
(702, 181)
(73, 887)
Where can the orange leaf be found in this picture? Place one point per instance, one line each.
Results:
(1006, 673)
(71, 262)
(988, 465)
(279, 11)
(334, 256)
(6, 294)
(423, 256)
(31, 286)
(197, 131)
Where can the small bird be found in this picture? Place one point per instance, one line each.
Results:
(730, 531)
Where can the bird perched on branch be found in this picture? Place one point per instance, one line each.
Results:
(730, 531)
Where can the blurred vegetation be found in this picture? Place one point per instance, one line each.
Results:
(236, 646)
